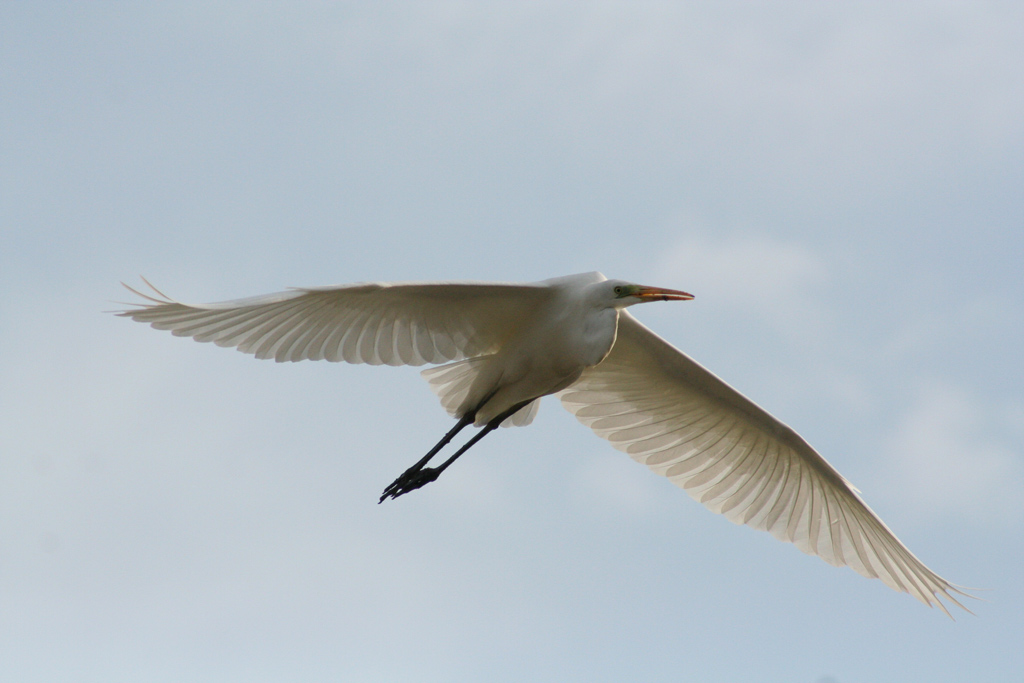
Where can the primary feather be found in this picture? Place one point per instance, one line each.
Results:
(653, 402)
(376, 323)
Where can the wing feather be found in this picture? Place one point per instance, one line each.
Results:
(663, 409)
(375, 323)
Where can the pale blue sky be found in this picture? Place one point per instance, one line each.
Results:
(841, 187)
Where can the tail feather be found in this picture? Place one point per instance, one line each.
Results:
(452, 383)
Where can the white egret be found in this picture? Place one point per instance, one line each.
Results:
(507, 345)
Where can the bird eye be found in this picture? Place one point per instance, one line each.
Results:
(618, 291)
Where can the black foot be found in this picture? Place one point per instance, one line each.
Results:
(410, 481)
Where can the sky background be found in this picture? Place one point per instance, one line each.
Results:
(840, 185)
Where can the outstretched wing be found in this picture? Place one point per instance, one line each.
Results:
(666, 411)
(375, 323)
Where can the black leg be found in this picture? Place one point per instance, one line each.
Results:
(411, 474)
(419, 475)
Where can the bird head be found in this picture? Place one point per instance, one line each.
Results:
(625, 294)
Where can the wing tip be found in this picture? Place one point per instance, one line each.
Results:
(149, 301)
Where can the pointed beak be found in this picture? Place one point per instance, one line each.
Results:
(660, 294)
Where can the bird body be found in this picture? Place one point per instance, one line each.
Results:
(501, 347)
(572, 329)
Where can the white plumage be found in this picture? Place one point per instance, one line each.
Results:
(507, 345)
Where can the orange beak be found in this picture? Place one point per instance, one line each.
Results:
(660, 294)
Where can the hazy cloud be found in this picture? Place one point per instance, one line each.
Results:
(772, 280)
(955, 455)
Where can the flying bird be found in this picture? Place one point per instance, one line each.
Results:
(502, 347)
